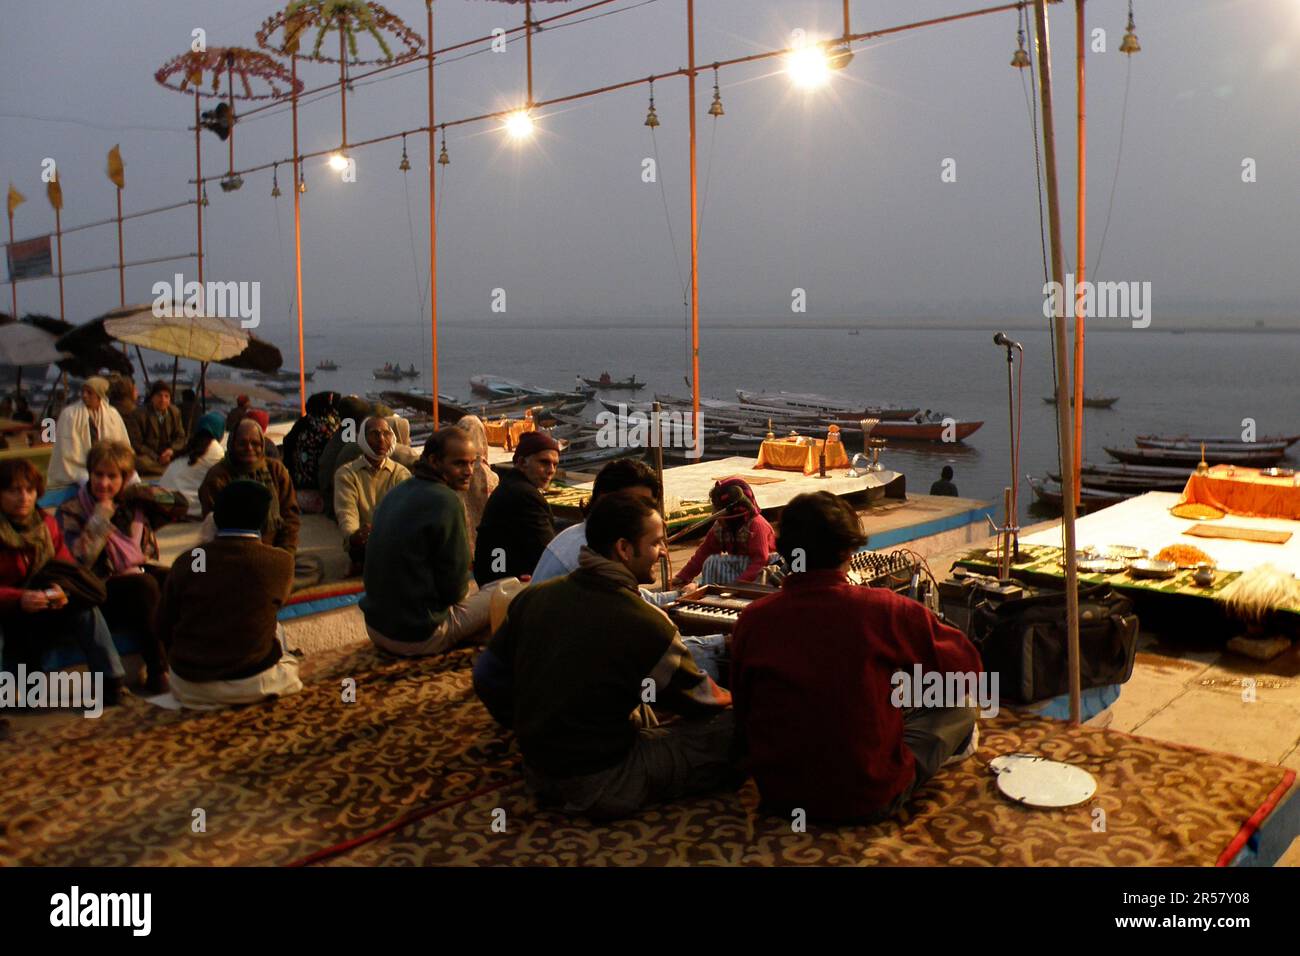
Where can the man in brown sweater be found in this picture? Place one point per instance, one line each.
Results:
(218, 613)
(156, 430)
(246, 458)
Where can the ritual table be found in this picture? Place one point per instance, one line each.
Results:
(801, 454)
(1244, 491)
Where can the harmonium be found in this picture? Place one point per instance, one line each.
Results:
(715, 608)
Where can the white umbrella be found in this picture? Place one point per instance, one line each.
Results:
(200, 338)
(22, 344)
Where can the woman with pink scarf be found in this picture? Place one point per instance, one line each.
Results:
(740, 543)
(109, 528)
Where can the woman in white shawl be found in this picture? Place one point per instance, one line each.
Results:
(482, 482)
(81, 425)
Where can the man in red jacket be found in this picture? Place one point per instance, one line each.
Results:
(818, 711)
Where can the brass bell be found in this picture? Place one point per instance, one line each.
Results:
(1020, 59)
(275, 182)
(302, 182)
(204, 201)
(275, 190)
(443, 158)
(1130, 44)
(715, 108)
(405, 164)
(652, 118)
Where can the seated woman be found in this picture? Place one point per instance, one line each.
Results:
(360, 485)
(303, 446)
(235, 656)
(109, 527)
(188, 469)
(246, 458)
(34, 614)
(740, 543)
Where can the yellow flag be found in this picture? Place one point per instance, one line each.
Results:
(55, 192)
(16, 199)
(115, 168)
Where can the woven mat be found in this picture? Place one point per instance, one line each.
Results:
(279, 781)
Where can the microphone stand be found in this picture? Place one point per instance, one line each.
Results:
(1009, 547)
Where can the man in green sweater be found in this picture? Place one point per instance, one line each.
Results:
(588, 653)
(417, 572)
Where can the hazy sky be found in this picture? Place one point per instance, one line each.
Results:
(836, 192)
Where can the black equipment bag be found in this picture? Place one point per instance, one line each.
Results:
(1025, 642)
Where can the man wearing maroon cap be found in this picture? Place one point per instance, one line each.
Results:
(517, 523)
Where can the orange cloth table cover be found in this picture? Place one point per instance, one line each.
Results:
(790, 454)
(1247, 492)
(496, 431)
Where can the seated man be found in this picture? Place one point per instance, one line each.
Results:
(360, 485)
(156, 430)
(812, 675)
(417, 576)
(588, 652)
(81, 425)
(246, 458)
(944, 485)
(517, 523)
(219, 618)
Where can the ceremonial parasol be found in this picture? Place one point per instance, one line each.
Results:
(22, 344)
(81, 358)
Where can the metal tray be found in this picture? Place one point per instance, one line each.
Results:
(1151, 568)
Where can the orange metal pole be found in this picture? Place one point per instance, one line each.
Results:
(1081, 252)
(121, 259)
(297, 240)
(528, 43)
(695, 236)
(343, 79)
(198, 187)
(58, 241)
(13, 283)
(433, 226)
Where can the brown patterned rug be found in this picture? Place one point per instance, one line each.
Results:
(278, 782)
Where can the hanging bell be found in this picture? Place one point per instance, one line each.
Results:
(443, 158)
(204, 201)
(275, 182)
(715, 108)
(1130, 43)
(1020, 59)
(302, 182)
(405, 164)
(652, 118)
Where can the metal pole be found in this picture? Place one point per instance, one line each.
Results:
(121, 259)
(297, 239)
(58, 242)
(656, 437)
(433, 225)
(1058, 321)
(13, 283)
(343, 79)
(1081, 251)
(695, 238)
(528, 43)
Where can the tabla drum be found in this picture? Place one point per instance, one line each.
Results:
(1038, 782)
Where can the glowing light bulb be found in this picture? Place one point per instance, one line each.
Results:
(519, 125)
(338, 162)
(808, 67)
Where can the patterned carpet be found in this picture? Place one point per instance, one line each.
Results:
(278, 782)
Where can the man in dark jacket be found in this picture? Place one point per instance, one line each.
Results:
(417, 576)
(517, 523)
(587, 652)
(156, 430)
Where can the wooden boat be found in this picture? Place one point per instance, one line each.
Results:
(1089, 401)
(1089, 499)
(1131, 477)
(387, 374)
(329, 365)
(1193, 443)
(411, 372)
(494, 386)
(824, 406)
(925, 431)
(605, 382)
(1168, 457)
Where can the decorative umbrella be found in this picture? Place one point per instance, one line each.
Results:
(202, 338)
(22, 344)
(260, 77)
(352, 20)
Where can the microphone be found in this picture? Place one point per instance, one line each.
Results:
(1002, 339)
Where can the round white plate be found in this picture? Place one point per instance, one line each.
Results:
(1039, 782)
